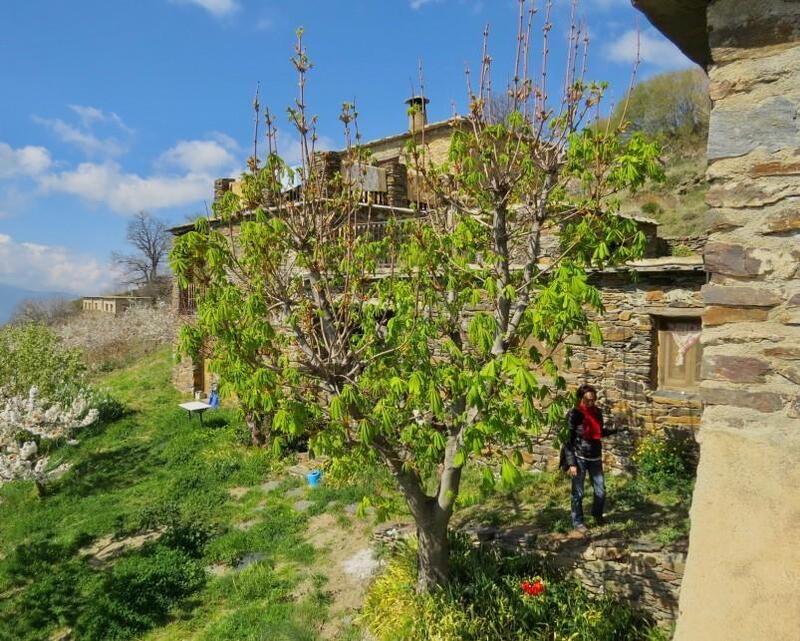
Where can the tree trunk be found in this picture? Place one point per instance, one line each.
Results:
(257, 432)
(433, 552)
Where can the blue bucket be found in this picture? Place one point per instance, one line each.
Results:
(314, 477)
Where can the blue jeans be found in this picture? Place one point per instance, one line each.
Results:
(595, 470)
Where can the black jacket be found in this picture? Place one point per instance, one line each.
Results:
(576, 445)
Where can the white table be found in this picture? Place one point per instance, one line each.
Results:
(195, 407)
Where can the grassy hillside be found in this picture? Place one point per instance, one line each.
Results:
(679, 202)
(166, 530)
(160, 531)
(674, 109)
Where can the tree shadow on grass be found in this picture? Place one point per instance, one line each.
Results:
(215, 421)
(105, 471)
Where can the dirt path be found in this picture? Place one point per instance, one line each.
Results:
(350, 564)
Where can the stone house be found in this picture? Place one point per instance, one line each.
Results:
(742, 572)
(113, 304)
(648, 369)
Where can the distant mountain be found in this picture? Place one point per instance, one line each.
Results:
(11, 296)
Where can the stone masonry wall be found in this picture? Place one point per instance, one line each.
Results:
(646, 574)
(672, 243)
(622, 369)
(742, 580)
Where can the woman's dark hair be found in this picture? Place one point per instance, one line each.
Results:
(582, 390)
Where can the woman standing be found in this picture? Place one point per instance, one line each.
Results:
(584, 453)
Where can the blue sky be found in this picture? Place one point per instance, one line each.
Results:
(114, 107)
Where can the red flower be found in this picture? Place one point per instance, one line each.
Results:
(532, 588)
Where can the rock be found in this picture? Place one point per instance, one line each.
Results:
(237, 493)
(740, 296)
(782, 222)
(790, 317)
(735, 260)
(362, 565)
(714, 315)
(107, 548)
(218, 569)
(302, 506)
(770, 124)
(616, 334)
(296, 492)
(270, 486)
(788, 352)
(246, 525)
(761, 401)
(737, 369)
(249, 559)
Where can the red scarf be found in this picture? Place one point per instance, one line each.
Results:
(592, 429)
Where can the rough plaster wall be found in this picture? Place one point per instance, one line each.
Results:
(742, 578)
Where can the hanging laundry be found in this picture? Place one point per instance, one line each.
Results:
(684, 342)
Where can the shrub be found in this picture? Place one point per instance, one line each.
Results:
(666, 462)
(138, 593)
(108, 407)
(32, 355)
(682, 250)
(485, 601)
(54, 582)
(652, 208)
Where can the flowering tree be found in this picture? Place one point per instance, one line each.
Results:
(28, 425)
(424, 348)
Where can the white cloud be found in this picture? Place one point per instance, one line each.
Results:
(417, 4)
(83, 135)
(91, 115)
(42, 267)
(610, 4)
(264, 24)
(200, 156)
(654, 49)
(290, 150)
(107, 184)
(217, 8)
(25, 161)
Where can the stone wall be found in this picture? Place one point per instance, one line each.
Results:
(646, 574)
(671, 244)
(622, 369)
(183, 378)
(742, 570)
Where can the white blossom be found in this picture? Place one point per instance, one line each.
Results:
(104, 337)
(23, 419)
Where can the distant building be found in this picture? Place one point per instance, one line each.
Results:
(113, 304)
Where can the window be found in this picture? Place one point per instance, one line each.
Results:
(678, 353)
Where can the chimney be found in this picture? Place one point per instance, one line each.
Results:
(418, 113)
(221, 185)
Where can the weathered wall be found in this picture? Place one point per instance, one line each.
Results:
(622, 369)
(742, 577)
(647, 574)
(672, 244)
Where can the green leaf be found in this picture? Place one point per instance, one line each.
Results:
(510, 473)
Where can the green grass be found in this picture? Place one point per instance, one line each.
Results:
(155, 469)
(679, 202)
(541, 501)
